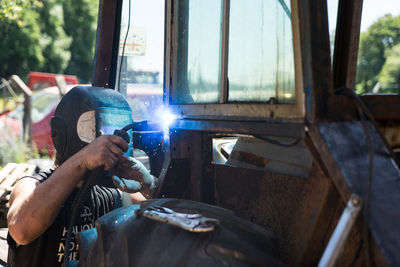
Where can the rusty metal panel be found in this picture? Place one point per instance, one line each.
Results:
(297, 210)
(315, 45)
(382, 107)
(107, 42)
(195, 149)
(262, 127)
(346, 143)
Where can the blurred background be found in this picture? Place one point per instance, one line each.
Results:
(39, 38)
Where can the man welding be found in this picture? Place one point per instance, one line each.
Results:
(86, 152)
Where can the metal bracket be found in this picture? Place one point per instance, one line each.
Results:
(339, 237)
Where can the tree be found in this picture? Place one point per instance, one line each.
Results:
(54, 41)
(380, 37)
(389, 77)
(80, 18)
(19, 38)
(55, 36)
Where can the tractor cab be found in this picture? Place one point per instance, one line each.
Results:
(245, 107)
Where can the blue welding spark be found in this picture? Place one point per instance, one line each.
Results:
(166, 118)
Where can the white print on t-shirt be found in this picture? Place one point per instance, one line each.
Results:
(85, 217)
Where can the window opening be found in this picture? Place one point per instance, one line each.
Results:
(198, 51)
(378, 67)
(140, 63)
(140, 73)
(264, 153)
(260, 62)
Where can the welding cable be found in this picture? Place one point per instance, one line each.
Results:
(360, 104)
(364, 114)
(123, 46)
(90, 181)
(74, 208)
(285, 8)
(275, 142)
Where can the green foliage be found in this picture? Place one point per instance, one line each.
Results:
(51, 36)
(12, 149)
(54, 42)
(389, 77)
(80, 24)
(11, 10)
(20, 38)
(375, 45)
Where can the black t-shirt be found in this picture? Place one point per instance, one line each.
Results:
(48, 249)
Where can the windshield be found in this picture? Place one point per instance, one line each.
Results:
(42, 104)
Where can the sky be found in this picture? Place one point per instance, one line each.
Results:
(372, 10)
(147, 18)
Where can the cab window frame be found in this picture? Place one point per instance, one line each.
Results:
(223, 109)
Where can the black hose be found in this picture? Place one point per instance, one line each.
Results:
(88, 182)
(275, 142)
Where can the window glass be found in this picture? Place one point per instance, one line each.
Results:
(261, 62)
(42, 104)
(198, 51)
(260, 58)
(142, 54)
(40, 85)
(378, 67)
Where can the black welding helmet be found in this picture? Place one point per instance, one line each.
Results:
(85, 113)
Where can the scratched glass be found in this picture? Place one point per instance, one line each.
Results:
(198, 52)
(261, 61)
(260, 58)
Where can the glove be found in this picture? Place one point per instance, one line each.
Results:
(131, 176)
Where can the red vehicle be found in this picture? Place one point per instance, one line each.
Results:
(44, 103)
(38, 80)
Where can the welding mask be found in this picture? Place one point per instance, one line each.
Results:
(85, 113)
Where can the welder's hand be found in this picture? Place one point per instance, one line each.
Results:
(131, 176)
(105, 151)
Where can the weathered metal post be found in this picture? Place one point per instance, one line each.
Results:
(61, 84)
(3, 87)
(27, 119)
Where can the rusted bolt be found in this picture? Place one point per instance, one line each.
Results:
(355, 200)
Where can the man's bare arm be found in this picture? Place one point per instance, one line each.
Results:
(35, 205)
